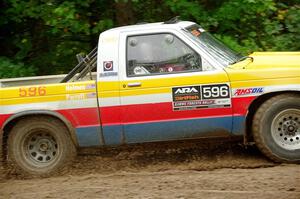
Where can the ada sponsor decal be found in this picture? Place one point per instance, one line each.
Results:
(186, 93)
(204, 96)
(248, 91)
(186, 90)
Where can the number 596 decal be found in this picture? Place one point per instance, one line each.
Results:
(32, 91)
(216, 91)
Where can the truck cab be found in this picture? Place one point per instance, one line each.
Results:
(152, 85)
(155, 82)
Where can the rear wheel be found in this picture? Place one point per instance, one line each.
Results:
(40, 146)
(276, 128)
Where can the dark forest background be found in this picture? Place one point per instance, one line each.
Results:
(39, 37)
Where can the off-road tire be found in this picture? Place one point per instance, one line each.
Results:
(270, 128)
(40, 147)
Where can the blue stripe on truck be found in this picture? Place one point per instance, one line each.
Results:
(160, 131)
(88, 136)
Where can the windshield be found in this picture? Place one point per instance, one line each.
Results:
(219, 51)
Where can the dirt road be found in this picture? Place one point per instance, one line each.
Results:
(210, 170)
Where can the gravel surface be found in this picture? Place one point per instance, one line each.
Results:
(167, 170)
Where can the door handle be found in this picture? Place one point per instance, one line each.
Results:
(135, 84)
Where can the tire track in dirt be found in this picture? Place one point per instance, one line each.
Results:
(187, 169)
(272, 182)
(198, 155)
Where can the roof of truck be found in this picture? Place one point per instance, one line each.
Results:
(143, 26)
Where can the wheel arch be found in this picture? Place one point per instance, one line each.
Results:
(11, 121)
(255, 104)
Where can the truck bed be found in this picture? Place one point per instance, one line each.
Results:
(24, 81)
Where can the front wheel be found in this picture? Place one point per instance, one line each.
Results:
(40, 146)
(276, 128)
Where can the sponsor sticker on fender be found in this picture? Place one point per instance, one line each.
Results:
(201, 96)
(248, 91)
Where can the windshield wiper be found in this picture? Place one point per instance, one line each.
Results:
(241, 59)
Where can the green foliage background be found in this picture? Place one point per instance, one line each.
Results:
(39, 37)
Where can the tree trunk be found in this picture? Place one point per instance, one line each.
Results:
(124, 12)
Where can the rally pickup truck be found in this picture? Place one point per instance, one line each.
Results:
(154, 82)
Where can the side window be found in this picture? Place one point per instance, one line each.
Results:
(160, 54)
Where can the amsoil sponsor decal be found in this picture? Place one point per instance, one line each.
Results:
(202, 96)
(248, 91)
